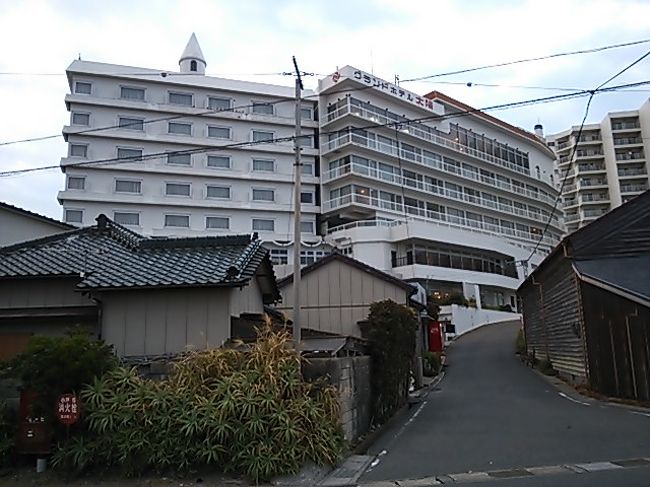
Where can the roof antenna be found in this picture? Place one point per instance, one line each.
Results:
(79, 58)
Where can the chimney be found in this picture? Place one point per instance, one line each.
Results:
(539, 131)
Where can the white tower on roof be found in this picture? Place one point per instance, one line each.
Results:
(192, 60)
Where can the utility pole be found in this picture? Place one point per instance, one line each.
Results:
(296, 220)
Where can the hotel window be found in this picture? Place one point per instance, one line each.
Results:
(307, 169)
(264, 165)
(128, 93)
(78, 150)
(307, 197)
(80, 118)
(126, 153)
(310, 256)
(128, 186)
(262, 225)
(177, 221)
(178, 189)
(263, 195)
(181, 99)
(219, 162)
(217, 103)
(179, 159)
(126, 218)
(219, 132)
(306, 227)
(306, 141)
(220, 222)
(262, 136)
(306, 113)
(179, 128)
(219, 192)
(74, 216)
(76, 182)
(131, 123)
(82, 88)
(262, 108)
(279, 256)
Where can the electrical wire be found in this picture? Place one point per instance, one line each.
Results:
(528, 60)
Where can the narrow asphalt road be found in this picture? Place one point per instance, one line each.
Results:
(491, 412)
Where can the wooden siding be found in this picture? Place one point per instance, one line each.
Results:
(618, 344)
(247, 299)
(165, 321)
(552, 319)
(336, 296)
(41, 292)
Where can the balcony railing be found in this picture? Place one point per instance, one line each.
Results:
(632, 172)
(564, 145)
(564, 159)
(590, 198)
(590, 167)
(429, 215)
(634, 188)
(589, 153)
(629, 156)
(593, 213)
(384, 148)
(628, 140)
(625, 125)
(392, 178)
(427, 134)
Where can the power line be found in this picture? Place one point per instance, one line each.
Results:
(592, 93)
(528, 60)
(406, 122)
(471, 84)
(162, 74)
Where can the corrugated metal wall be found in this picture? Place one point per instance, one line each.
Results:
(552, 319)
(618, 344)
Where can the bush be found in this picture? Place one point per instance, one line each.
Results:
(247, 411)
(546, 367)
(391, 340)
(53, 366)
(431, 363)
(520, 343)
(7, 433)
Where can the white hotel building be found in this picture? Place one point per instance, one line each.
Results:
(451, 200)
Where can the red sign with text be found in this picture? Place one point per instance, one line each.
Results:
(67, 409)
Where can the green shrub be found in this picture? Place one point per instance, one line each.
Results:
(247, 411)
(520, 343)
(7, 433)
(391, 341)
(431, 363)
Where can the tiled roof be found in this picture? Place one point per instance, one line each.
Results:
(31, 214)
(110, 256)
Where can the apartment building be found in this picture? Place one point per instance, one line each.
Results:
(176, 156)
(431, 189)
(423, 187)
(605, 167)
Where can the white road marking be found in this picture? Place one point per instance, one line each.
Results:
(640, 413)
(573, 400)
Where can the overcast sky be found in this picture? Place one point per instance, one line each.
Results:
(408, 38)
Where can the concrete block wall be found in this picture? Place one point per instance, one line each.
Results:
(351, 376)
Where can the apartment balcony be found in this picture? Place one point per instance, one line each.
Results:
(571, 217)
(425, 188)
(564, 145)
(569, 188)
(594, 213)
(620, 126)
(596, 199)
(630, 156)
(590, 141)
(632, 172)
(592, 183)
(421, 132)
(589, 154)
(590, 168)
(426, 161)
(626, 141)
(562, 160)
(633, 188)
(571, 203)
(361, 202)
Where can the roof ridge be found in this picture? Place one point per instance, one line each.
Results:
(247, 255)
(119, 233)
(211, 241)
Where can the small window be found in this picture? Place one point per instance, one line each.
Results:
(181, 99)
(307, 197)
(306, 113)
(263, 165)
(76, 182)
(126, 218)
(262, 136)
(263, 108)
(219, 162)
(80, 119)
(131, 123)
(261, 225)
(78, 150)
(279, 256)
(305, 141)
(74, 216)
(220, 222)
(192, 65)
(177, 221)
(217, 103)
(179, 128)
(82, 88)
(306, 227)
(219, 132)
(126, 153)
(263, 195)
(178, 189)
(127, 93)
(179, 159)
(307, 169)
(221, 192)
(128, 186)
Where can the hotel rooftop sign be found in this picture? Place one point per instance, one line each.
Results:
(372, 82)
